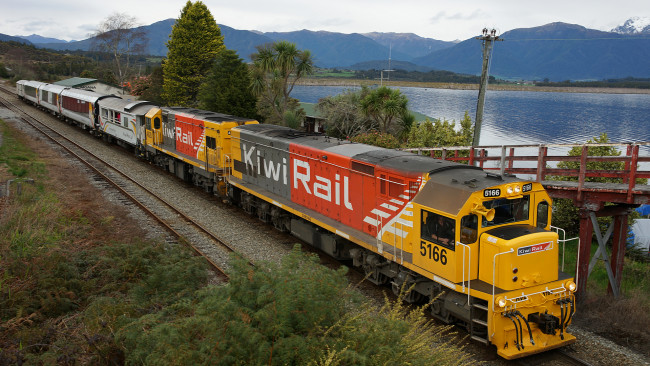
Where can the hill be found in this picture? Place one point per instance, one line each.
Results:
(409, 43)
(337, 49)
(557, 51)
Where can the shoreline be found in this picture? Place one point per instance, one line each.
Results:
(494, 87)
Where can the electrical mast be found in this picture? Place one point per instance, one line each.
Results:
(488, 39)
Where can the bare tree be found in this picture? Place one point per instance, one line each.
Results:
(120, 36)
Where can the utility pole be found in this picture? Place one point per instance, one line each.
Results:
(390, 51)
(487, 39)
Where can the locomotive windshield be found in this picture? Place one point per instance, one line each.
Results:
(507, 210)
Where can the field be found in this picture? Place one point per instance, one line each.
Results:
(339, 80)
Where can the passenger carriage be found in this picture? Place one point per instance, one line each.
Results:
(50, 97)
(81, 106)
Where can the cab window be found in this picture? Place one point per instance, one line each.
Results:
(438, 229)
(469, 229)
(507, 210)
(542, 214)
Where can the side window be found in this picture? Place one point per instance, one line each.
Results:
(126, 121)
(438, 229)
(542, 214)
(211, 142)
(469, 229)
(156, 123)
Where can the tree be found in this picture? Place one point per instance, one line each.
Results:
(119, 36)
(384, 105)
(193, 45)
(565, 213)
(149, 87)
(276, 69)
(441, 133)
(227, 87)
(375, 138)
(343, 114)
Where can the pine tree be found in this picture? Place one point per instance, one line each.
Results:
(194, 43)
(227, 88)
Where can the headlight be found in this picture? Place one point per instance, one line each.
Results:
(517, 189)
(509, 189)
(500, 302)
(570, 285)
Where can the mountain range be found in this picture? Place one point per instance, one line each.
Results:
(555, 51)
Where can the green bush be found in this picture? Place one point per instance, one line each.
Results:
(377, 139)
(297, 313)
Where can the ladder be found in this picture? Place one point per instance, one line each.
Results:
(478, 328)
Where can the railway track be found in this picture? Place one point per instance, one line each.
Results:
(559, 357)
(179, 226)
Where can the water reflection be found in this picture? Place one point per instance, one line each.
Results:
(517, 117)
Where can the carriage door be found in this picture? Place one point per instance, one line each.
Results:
(211, 159)
(153, 121)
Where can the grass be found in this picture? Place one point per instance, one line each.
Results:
(636, 272)
(20, 161)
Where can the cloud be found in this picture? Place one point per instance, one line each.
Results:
(442, 16)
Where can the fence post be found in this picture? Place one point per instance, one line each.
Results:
(541, 163)
(583, 171)
(471, 156)
(632, 176)
(628, 153)
(503, 160)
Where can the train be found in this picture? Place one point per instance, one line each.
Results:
(476, 247)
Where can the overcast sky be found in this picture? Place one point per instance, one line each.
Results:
(446, 20)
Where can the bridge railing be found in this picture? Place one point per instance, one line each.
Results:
(540, 161)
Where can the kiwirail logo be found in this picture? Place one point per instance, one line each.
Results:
(535, 248)
(334, 189)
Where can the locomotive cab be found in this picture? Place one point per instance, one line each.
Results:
(492, 245)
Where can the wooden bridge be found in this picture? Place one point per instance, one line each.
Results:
(579, 183)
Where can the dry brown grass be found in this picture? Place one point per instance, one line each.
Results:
(625, 321)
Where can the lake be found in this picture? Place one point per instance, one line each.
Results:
(520, 117)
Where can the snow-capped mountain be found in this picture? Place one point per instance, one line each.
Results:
(635, 25)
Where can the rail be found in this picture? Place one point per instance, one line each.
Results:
(535, 160)
(469, 270)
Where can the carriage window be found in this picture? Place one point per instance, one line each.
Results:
(396, 187)
(438, 229)
(542, 214)
(468, 229)
(382, 184)
(507, 210)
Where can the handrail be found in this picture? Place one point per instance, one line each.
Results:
(564, 240)
(494, 270)
(537, 164)
(469, 270)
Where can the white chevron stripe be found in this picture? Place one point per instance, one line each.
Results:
(380, 213)
(390, 207)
